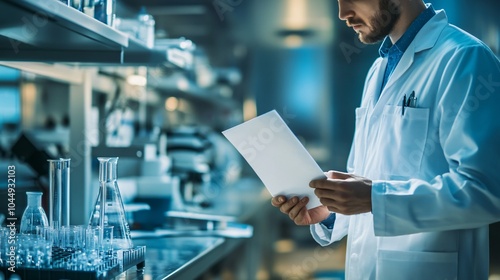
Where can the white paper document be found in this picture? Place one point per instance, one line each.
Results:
(277, 156)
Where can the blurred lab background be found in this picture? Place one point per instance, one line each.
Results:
(248, 57)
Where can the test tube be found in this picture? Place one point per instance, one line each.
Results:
(59, 170)
(65, 189)
(55, 206)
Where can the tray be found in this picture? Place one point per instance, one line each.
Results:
(116, 263)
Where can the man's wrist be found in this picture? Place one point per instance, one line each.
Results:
(328, 222)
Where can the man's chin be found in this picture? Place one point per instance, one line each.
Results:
(367, 39)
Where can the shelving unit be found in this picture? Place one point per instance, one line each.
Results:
(195, 93)
(51, 39)
(49, 31)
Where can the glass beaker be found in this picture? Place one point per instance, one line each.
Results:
(33, 215)
(108, 208)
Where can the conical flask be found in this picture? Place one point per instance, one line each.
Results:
(33, 215)
(110, 201)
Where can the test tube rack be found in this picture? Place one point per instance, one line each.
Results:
(119, 262)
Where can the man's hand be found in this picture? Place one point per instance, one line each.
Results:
(296, 209)
(344, 193)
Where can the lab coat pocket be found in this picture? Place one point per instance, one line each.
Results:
(405, 265)
(404, 138)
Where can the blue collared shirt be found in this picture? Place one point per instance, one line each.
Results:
(396, 51)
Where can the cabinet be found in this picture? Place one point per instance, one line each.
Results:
(51, 39)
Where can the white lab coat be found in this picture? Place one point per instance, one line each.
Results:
(436, 170)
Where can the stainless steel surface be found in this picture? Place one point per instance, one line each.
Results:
(199, 216)
(179, 257)
(200, 228)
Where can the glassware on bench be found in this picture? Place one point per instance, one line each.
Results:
(108, 209)
(33, 215)
(59, 170)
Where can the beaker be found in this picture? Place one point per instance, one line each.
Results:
(33, 215)
(110, 202)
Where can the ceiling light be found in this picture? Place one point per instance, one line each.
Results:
(296, 14)
(171, 104)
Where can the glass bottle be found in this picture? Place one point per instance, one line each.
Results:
(33, 215)
(110, 201)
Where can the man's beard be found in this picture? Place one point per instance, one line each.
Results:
(382, 22)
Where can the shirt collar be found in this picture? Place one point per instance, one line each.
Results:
(405, 40)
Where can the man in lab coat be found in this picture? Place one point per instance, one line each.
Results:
(424, 168)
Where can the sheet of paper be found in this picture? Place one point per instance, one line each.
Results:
(277, 156)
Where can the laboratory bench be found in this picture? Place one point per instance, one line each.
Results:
(181, 257)
(241, 246)
(193, 253)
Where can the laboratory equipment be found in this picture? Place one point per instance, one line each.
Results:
(33, 215)
(88, 7)
(104, 11)
(108, 209)
(59, 192)
(146, 28)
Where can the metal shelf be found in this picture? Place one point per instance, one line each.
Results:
(193, 92)
(49, 31)
(172, 56)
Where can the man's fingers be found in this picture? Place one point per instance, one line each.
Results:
(328, 184)
(331, 204)
(278, 200)
(317, 183)
(296, 209)
(332, 174)
(286, 207)
(300, 219)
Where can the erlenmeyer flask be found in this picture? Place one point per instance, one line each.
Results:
(110, 201)
(33, 215)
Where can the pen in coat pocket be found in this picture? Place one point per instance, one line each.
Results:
(403, 106)
(412, 101)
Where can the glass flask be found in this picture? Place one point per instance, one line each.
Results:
(110, 201)
(33, 215)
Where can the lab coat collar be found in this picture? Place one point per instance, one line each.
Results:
(425, 39)
(429, 34)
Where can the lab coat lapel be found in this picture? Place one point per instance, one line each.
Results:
(375, 82)
(425, 39)
(401, 68)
